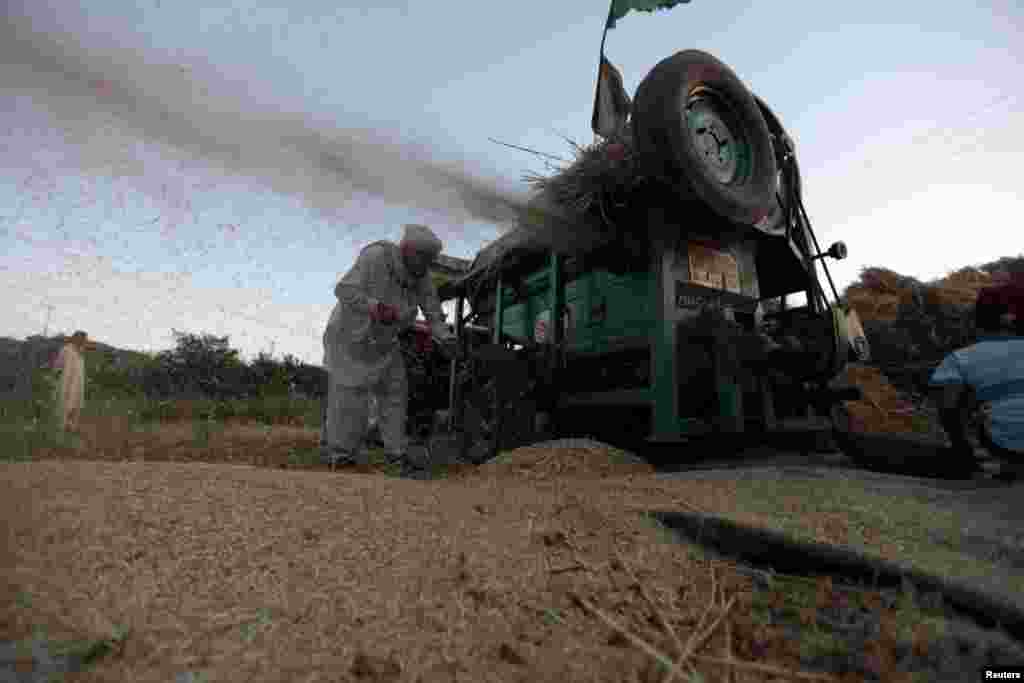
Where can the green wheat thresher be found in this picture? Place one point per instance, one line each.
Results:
(670, 289)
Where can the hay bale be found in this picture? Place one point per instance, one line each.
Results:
(961, 289)
(884, 409)
(881, 294)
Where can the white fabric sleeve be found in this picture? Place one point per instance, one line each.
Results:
(353, 288)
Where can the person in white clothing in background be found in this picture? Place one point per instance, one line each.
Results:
(71, 387)
(377, 299)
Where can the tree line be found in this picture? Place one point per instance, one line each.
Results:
(205, 366)
(198, 366)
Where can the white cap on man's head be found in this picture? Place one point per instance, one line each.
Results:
(421, 238)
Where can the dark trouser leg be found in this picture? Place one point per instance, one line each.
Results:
(958, 463)
(1012, 465)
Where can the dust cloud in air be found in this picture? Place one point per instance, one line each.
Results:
(104, 103)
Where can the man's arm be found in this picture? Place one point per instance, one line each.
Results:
(949, 393)
(951, 401)
(351, 290)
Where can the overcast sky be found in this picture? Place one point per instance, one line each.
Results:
(166, 165)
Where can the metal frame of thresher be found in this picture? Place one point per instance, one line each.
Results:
(661, 395)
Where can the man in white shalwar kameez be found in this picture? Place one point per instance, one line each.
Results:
(378, 298)
(71, 386)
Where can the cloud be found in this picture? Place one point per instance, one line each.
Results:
(102, 99)
(139, 309)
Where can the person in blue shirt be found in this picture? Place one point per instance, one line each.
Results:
(990, 375)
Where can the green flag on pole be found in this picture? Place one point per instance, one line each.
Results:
(611, 103)
(621, 8)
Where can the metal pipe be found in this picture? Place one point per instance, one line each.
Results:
(557, 348)
(499, 310)
(499, 324)
(459, 334)
(817, 249)
(555, 298)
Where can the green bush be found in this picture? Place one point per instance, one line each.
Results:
(29, 424)
(108, 379)
(264, 409)
(270, 409)
(156, 410)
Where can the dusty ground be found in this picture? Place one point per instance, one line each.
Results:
(248, 574)
(524, 571)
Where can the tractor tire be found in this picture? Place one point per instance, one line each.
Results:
(782, 145)
(696, 126)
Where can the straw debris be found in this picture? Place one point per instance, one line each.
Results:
(601, 176)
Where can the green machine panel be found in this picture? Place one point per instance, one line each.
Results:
(605, 311)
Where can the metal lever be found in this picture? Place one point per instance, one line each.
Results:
(837, 251)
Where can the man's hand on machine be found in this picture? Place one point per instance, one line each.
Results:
(384, 313)
(424, 341)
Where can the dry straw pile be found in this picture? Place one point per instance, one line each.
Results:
(600, 175)
(884, 410)
(568, 457)
(881, 293)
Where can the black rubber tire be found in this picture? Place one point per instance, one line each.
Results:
(667, 150)
(898, 454)
(782, 145)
